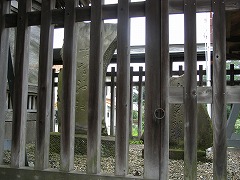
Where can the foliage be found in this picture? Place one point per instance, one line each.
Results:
(135, 142)
(134, 114)
(237, 126)
(134, 130)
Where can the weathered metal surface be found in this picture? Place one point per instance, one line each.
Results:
(44, 87)
(4, 47)
(69, 87)
(190, 90)
(123, 89)
(219, 114)
(20, 86)
(95, 89)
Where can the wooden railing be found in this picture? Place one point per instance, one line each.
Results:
(158, 93)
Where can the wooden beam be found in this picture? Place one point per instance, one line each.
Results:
(52, 118)
(20, 86)
(190, 90)
(164, 91)
(69, 87)
(123, 89)
(152, 88)
(131, 103)
(232, 120)
(156, 136)
(95, 89)
(219, 115)
(4, 47)
(28, 174)
(44, 87)
(204, 95)
(112, 101)
(136, 9)
(140, 101)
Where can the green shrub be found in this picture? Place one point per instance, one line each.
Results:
(135, 142)
(134, 130)
(237, 126)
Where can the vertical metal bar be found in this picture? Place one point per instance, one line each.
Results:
(95, 89)
(112, 101)
(140, 100)
(131, 103)
(190, 90)
(69, 86)
(123, 89)
(219, 116)
(20, 86)
(44, 86)
(4, 46)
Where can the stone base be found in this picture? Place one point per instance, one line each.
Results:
(178, 154)
(31, 127)
(80, 148)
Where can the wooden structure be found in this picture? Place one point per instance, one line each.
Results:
(158, 93)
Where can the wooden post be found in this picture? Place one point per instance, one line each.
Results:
(180, 71)
(190, 90)
(152, 87)
(219, 116)
(95, 89)
(200, 75)
(131, 103)
(171, 67)
(112, 101)
(123, 88)
(69, 87)
(4, 44)
(20, 86)
(44, 87)
(231, 74)
(156, 136)
(164, 91)
(140, 100)
(52, 119)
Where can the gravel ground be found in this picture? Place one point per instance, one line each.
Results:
(176, 167)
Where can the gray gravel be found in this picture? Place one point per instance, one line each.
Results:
(176, 167)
